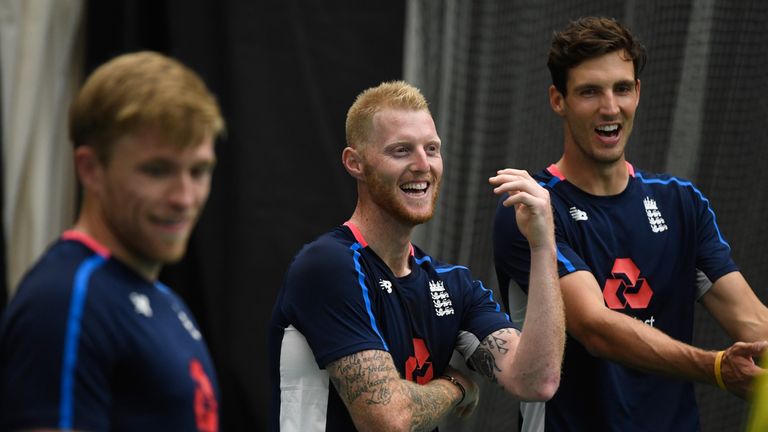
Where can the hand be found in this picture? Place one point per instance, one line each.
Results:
(739, 369)
(469, 403)
(533, 210)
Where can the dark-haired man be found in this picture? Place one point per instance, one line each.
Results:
(629, 245)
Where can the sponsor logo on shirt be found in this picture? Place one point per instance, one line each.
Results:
(385, 285)
(187, 323)
(440, 298)
(578, 215)
(626, 289)
(418, 368)
(206, 407)
(141, 304)
(654, 215)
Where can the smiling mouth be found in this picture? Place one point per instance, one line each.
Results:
(415, 188)
(611, 130)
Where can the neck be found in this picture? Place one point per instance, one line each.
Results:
(91, 222)
(390, 239)
(601, 179)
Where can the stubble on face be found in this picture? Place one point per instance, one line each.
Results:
(150, 226)
(385, 196)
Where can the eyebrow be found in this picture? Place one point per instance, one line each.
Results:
(630, 83)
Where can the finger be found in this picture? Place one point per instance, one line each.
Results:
(513, 171)
(509, 174)
(749, 349)
(517, 185)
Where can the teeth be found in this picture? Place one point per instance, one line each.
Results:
(608, 128)
(415, 186)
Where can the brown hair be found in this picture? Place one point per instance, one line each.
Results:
(139, 91)
(392, 94)
(587, 38)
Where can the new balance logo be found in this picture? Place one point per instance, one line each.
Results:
(654, 216)
(578, 215)
(385, 286)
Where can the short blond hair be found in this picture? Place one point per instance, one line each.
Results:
(139, 91)
(392, 94)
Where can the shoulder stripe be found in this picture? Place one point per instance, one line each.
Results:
(438, 269)
(366, 298)
(566, 262)
(446, 269)
(490, 296)
(79, 293)
(698, 192)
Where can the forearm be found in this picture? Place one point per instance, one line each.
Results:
(635, 344)
(535, 367)
(378, 399)
(735, 306)
(428, 404)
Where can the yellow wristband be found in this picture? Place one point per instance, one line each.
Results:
(718, 370)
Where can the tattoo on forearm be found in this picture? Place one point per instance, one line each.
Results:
(368, 377)
(484, 360)
(426, 407)
(364, 375)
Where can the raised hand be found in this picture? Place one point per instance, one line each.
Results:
(533, 210)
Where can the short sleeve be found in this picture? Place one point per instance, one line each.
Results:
(327, 297)
(55, 363)
(714, 253)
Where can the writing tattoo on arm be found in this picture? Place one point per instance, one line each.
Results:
(371, 388)
(364, 376)
(485, 359)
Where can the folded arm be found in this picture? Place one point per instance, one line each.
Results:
(378, 399)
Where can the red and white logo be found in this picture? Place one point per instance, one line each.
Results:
(626, 289)
(418, 368)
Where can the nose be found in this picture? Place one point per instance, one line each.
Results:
(609, 105)
(420, 161)
(183, 193)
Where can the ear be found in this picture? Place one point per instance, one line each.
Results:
(637, 90)
(89, 168)
(556, 100)
(353, 162)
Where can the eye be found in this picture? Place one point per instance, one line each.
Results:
(201, 171)
(587, 92)
(400, 151)
(433, 149)
(623, 89)
(156, 169)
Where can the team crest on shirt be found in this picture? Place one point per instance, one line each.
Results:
(141, 304)
(385, 285)
(440, 298)
(654, 215)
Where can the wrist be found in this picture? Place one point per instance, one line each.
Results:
(459, 385)
(719, 370)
